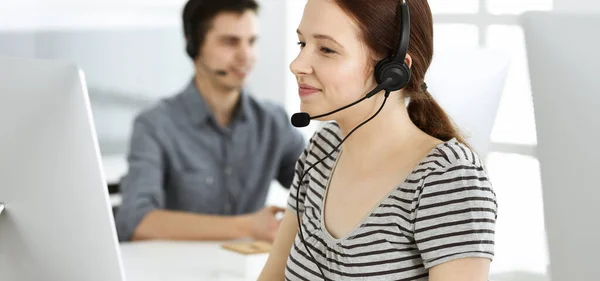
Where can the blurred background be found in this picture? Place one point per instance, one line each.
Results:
(132, 53)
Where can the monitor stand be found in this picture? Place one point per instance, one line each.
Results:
(1, 207)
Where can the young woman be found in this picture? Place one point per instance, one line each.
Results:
(402, 198)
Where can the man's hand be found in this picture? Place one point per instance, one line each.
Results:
(263, 225)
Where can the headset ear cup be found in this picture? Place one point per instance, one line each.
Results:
(399, 72)
(190, 48)
(379, 68)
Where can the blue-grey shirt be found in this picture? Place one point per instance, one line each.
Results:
(181, 159)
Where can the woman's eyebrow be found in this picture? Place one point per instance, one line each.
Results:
(322, 37)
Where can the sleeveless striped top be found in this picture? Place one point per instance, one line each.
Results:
(444, 210)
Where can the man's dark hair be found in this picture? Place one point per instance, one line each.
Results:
(199, 14)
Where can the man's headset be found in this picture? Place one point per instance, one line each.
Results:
(391, 74)
(191, 47)
(190, 33)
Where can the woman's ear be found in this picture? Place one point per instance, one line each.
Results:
(408, 60)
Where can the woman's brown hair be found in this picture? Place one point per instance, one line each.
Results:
(379, 24)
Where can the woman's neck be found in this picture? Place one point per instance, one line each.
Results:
(390, 132)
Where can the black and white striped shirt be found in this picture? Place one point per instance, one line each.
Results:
(444, 210)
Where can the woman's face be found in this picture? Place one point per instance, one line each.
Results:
(333, 67)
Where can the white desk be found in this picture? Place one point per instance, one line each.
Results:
(187, 261)
(197, 261)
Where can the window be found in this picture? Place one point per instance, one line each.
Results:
(452, 35)
(454, 7)
(520, 232)
(498, 7)
(515, 122)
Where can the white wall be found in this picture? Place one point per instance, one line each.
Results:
(577, 5)
(37, 15)
(268, 78)
(131, 50)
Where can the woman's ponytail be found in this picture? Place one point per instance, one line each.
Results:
(379, 26)
(429, 116)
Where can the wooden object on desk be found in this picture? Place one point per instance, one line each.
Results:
(249, 248)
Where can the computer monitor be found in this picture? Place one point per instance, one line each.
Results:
(57, 223)
(563, 56)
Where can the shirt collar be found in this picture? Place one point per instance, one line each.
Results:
(198, 110)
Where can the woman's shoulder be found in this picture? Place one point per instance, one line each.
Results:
(457, 171)
(327, 137)
(452, 154)
(450, 165)
(330, 130)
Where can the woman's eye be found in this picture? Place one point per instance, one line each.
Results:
(327, 50)
(323, 49)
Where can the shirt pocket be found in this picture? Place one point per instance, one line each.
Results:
(198, 191)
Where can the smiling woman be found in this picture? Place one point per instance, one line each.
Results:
(473, 24)
(403, 197)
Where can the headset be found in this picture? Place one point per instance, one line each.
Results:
(391, 74)
(191, 46)
(394, 67)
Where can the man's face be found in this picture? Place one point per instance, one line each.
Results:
(229, 46)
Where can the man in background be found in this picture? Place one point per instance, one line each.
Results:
(201, 162)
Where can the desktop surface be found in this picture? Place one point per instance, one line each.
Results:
(188, 261)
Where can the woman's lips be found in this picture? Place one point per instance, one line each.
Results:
(306, 90)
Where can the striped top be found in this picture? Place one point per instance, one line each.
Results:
(444, 210)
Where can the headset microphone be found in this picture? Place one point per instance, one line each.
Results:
(302, 119)
(220, 72)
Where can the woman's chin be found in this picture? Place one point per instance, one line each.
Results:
(306, 108)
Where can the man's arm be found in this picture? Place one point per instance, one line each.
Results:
(142, 215)
(172, 225)
(142, 188)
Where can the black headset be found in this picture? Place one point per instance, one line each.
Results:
(191, 46)
(395, 67)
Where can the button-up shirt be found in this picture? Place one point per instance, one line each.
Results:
(181, 159)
